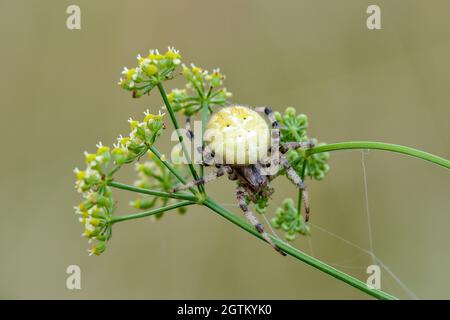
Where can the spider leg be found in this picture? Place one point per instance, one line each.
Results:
(271, 167)
(280, 159)
(203, 180)
(273, 123)
(240, 195)
(189, 132)
(285, 147)
(295, 178)
(208, 156)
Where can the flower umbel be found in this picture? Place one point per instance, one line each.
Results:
(289, 220)
(150, 70)
(97, 206)
(202, 87)
(293, 128)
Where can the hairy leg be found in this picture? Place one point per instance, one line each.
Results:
(295, 178)
(205, 179)
(240, 195)
(189, 132)
(285, 147)
(270, 165)
(277, 159)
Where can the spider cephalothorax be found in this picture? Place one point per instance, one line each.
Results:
(242, 145)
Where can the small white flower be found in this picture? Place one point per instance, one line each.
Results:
(79, 185)
(89, 226)
(92, 172)
(136, 73)
(145, 63)
(93, 209)
(99, 144)
(125, 70)
(154, 52)
(120, 81)
(133, 134)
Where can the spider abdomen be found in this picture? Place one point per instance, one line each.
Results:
(238, 135)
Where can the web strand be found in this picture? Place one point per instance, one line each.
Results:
(366, 201)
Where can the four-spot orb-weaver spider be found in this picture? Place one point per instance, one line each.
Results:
(236, 126)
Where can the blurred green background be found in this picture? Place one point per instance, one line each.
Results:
(59, 97)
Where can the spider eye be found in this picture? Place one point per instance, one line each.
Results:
(228, 125)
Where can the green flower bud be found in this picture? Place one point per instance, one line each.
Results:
(290, 236)
(150, 70)
(182, 210)
(144, 203)
(98, 249)
(290, 112)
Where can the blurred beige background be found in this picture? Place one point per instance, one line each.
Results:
(59, 97)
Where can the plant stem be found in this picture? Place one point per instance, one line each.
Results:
(162, 194)
(170, 167)
(205, 107)
(380, 146)
(167, 164)
(299, 254)
(115, 219)
(180, 136)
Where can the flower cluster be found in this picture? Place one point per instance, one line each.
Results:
(293, 128)
(289, 220)
(202, 87)
(143, 134)
(97, 206)
(316, 164)
(153, 174)
(150, 71)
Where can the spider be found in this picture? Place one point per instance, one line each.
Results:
(237, 124)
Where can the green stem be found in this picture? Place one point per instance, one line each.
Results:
(380, 146)
(205, 107)
(299, 254)
(170, 167)
(180, 136)
(162, 194)
(115, 219)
